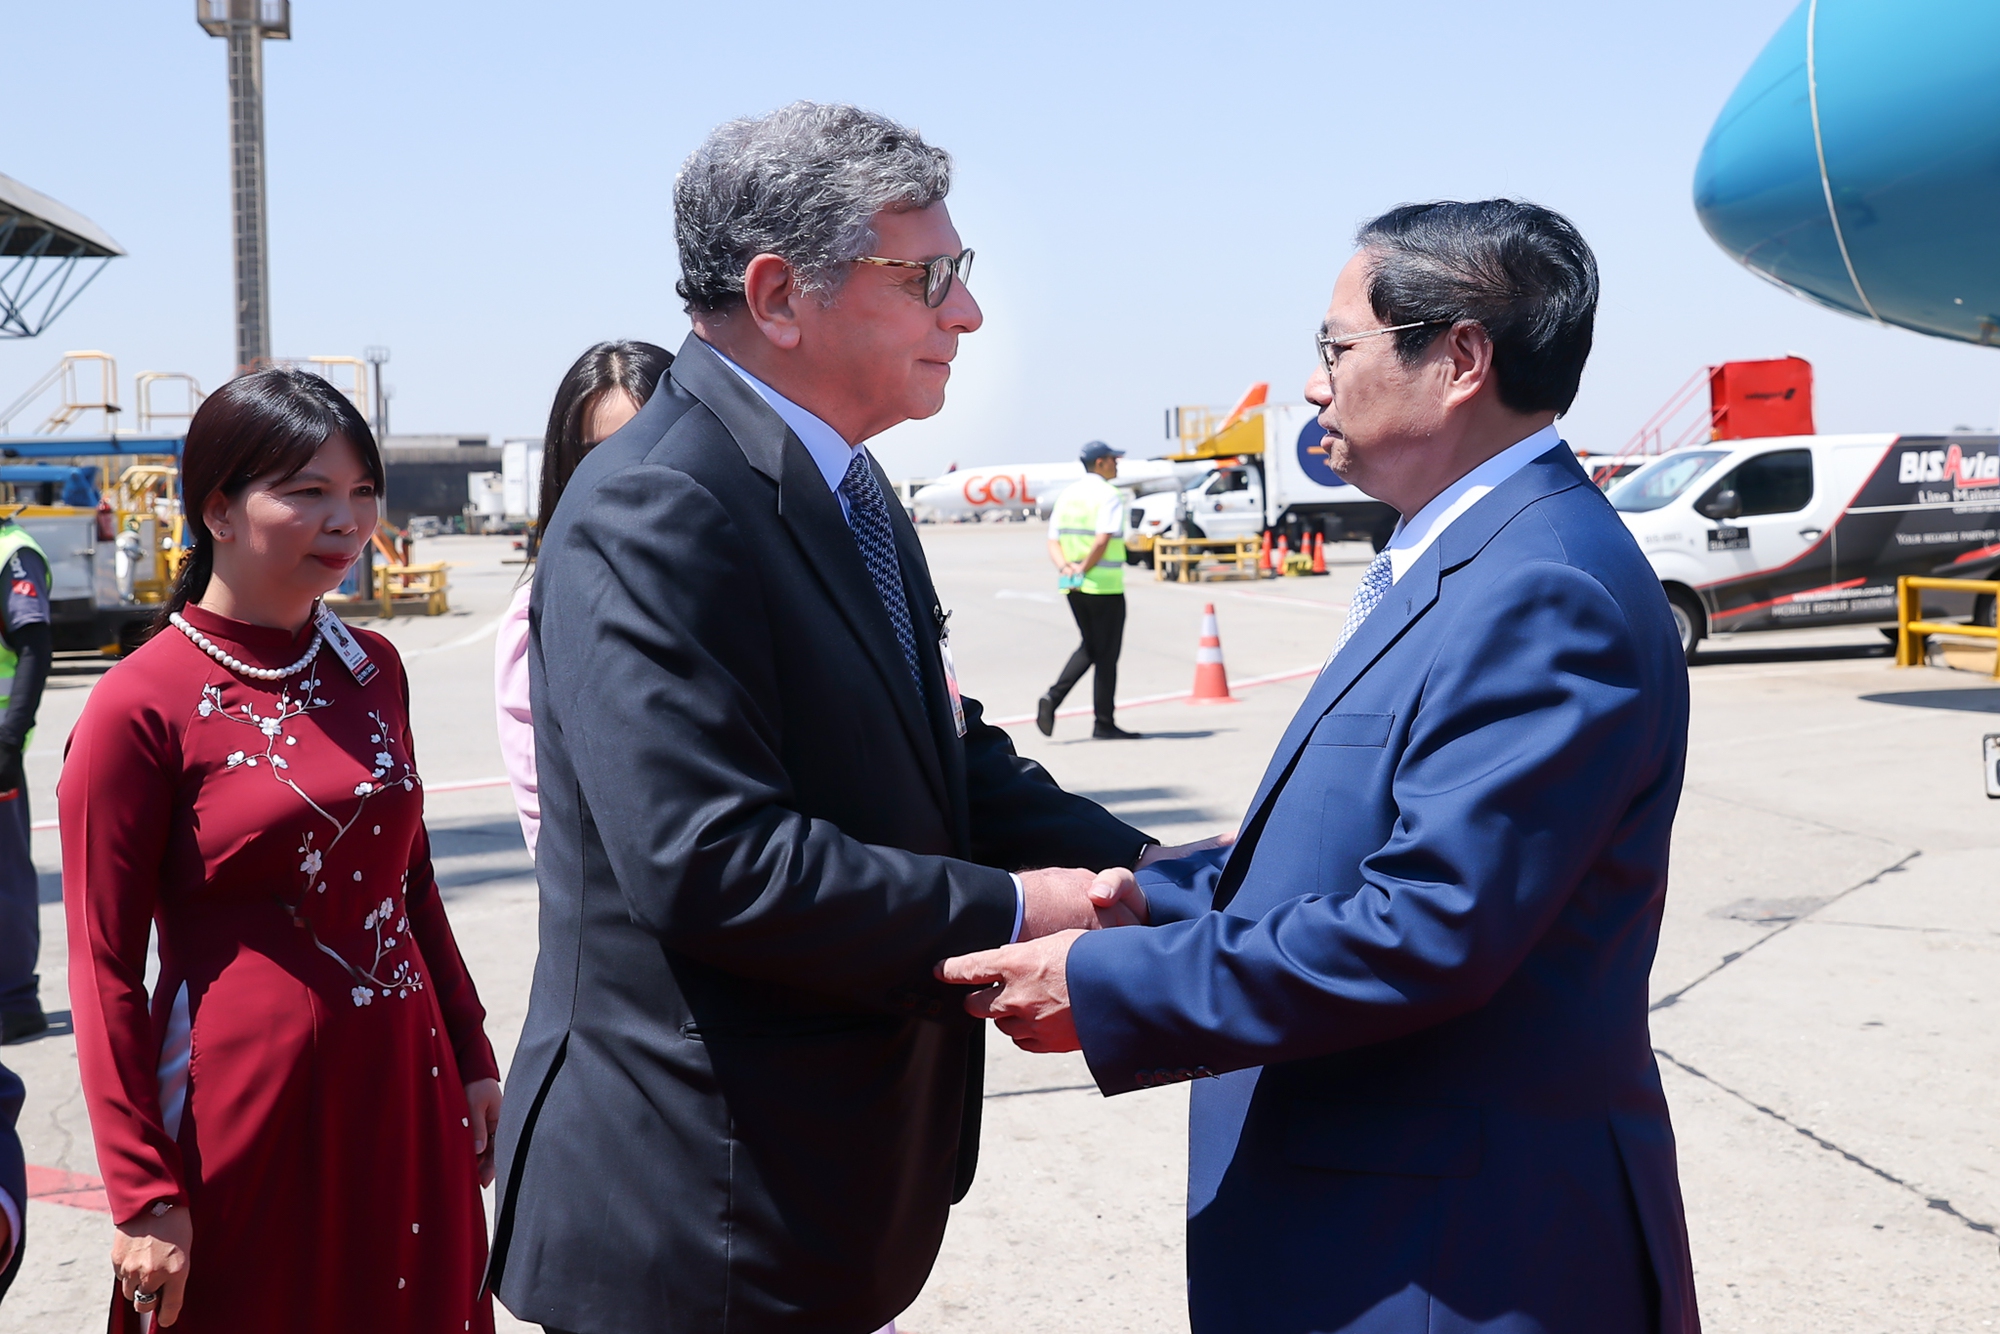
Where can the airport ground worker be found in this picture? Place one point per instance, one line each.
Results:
(27, 645)
(1087, 546)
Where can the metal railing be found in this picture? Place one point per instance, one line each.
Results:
(1913, 632)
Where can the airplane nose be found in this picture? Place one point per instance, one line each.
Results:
(1858, 163)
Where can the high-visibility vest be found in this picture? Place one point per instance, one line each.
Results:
(1076, 529)
(14, 538)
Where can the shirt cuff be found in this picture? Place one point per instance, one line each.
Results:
(13, 1214)
(1020, 907)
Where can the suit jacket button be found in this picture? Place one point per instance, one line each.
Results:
(1142, 1078)
(1203, 1072)
(1183, 1073)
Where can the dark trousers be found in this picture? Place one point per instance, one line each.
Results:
(20, 910)
(1101, 618)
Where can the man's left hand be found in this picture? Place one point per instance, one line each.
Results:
(1030, 1004)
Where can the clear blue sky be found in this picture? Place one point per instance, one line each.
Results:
(1160, 194)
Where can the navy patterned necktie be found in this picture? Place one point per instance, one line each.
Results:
(868, 516)
(1374, 584)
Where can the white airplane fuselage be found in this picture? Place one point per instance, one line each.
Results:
(1010, 488)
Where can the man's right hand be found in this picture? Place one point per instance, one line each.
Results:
(1069, 899)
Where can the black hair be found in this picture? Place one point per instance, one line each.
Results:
(1520, 271)
(633, 367)
(268, 423)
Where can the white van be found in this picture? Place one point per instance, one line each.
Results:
(1794, 531)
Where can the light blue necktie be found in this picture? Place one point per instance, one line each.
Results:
(868, 516)
(1375, 582)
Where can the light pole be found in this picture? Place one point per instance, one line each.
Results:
(378, 357)
(246, 23)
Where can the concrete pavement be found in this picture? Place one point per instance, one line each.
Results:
(1826, 983)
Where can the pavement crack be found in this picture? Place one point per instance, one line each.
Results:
(1936, 1202)
(67, 1136)
(1919, 930)
(1674, 997)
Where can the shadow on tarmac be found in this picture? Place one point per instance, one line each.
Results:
(1985, 700)
(59, 1027)
(1711, 657)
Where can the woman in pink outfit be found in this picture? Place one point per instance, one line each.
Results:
(604, 390)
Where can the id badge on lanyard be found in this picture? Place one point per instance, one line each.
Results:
(345, 646)
(950, 671)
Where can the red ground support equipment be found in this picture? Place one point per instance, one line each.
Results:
(1749, 400)
(1211, 679)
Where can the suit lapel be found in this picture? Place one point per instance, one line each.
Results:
(1406, 601)
(1401, 607)
(812, 513)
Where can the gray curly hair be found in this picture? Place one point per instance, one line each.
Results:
(802, 183)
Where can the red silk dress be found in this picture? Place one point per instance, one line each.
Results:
(296, 1077)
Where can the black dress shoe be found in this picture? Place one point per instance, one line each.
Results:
(1045, 715)
(21, 1025)
(1114, 733)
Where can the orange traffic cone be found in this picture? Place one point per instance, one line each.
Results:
(1284, 554)
(1211, 679)
(1319, 553)
(1264, 556)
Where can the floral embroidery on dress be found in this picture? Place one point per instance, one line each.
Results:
(384, 975)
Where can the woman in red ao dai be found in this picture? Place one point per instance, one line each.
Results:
(293, 1127)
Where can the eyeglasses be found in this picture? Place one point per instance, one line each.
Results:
(938, 272)
(1331, 348)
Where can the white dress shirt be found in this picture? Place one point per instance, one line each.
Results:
(1414, 536)
(833, 456)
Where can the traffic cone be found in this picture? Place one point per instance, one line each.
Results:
(1264, 555)
(1211, 679)
(1284, 554)
(1319, 553)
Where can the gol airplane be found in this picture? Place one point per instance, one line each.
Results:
(1031, 488)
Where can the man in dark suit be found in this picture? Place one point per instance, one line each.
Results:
(1414, 993)
(741, 1102)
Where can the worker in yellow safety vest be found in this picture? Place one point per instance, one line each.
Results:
(1087, 546)
(27, 646)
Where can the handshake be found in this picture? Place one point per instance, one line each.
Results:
(1025, 986)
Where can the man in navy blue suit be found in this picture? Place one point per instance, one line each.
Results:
(1414, 991)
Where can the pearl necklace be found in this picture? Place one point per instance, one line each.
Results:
(241, 668)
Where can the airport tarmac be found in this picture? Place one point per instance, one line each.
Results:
(1825, 992)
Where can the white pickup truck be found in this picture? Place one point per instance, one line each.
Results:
(1795, 531)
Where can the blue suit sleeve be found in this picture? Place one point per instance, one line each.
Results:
(1529, 740)
(1183, 888)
